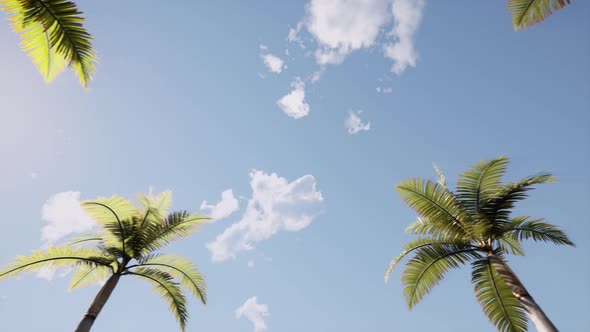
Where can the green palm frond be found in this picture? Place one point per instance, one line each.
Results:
(480, 182)
(497, 209)
(510, 245)
(524, 228)
(440, 177)
(435, 204)
(526, 13)
(54, 257)
(415, 245)
(180, 268)
(53, 35)
(156, 207)
(87, 275)
(164, 284)
(178, 225)
(428, 267)
(497, 301)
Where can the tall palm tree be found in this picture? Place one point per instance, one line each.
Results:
(53, 35)
(474, 225)
(126, 245)
(529, 12)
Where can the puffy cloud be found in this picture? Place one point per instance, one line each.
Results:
(64, 216)
(273, 63)
(293, 104)
(224, 208)
(407, 15)
(354, 124)
(276, 205)
(253, 312)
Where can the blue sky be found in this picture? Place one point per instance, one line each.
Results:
(184, 100)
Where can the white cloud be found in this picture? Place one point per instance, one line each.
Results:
(407, 15)
(273, 63)
(64, 216)
(34, 175)
(228, 205)
(384, 90)
(354, 124)
(276, 205)
(253, 312)
(263, 47)
(251, 263)
(342, 26)
(293, 104)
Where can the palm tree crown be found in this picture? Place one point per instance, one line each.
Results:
(126, 244)
(526, 13)
(474, 225)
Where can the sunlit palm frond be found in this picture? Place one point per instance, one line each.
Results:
(164, 284)
(178, 225)
(155, 207)
(182, 269)
(428, 267)
(435, 204)
(53, 35)
(480, 182)
(415, 245)
(440, 177)
(529, 12)
(86, 275)
(524, 228)
(510, 245)
(54, 257)
(497, 301)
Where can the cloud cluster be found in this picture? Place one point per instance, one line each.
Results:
(64, 216)
(224, 208)
(276, 205)
(407, 15)
(253, 312)
(293, 104)
(354, 124)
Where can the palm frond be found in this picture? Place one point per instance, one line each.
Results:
(178, 225)
(156, 206)
(524, 228)
(479, 182)
(435, 204)
(428, 267)
(415, 245)
(440, 176)
(170, 290)
(180, 268)
(53, 35)
(54, 257)
(87, 275)
(526, 13)
(510, 245)
(497, 301)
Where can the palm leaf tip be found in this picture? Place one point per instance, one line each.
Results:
(526, 13)
(54, 37)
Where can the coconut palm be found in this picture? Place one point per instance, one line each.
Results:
(126, 245)
(529, 12)
(474, 225)
(53, 35)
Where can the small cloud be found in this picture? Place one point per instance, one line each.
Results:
(293, 104)
(253, 312)
(263, 47)
(64, 216)
(224, 208)
(354, 124)
(276, 205)
(384, 90)
(34, 175)
(251, 263)
(273, 63)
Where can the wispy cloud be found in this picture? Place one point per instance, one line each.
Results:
(293, 104)
(354, 124)
(224, 208)
(276, 205)
(253, 312)
(407, 15)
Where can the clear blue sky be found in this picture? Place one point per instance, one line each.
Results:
(182, 100)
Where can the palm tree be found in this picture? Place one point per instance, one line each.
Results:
(126, 245)
(529, 12)
(53, 35)
(474, 225)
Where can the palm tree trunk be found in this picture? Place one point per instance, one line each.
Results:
(99, 302)
(536, 314)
